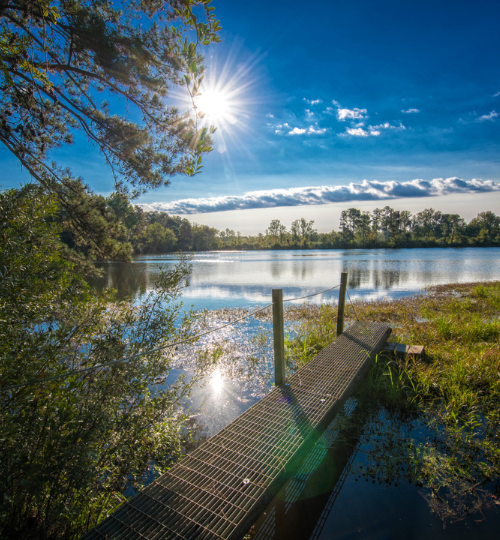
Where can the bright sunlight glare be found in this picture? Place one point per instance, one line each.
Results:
(225, 100)
(216, 381)
(216, 106)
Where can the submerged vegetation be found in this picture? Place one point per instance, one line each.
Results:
(432, 421)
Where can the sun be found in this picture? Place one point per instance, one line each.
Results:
(225, 101)
(216, 106)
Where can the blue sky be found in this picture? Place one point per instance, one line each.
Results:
(332, 93)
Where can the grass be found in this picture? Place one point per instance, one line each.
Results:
(440, 414)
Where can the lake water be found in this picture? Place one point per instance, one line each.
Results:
(324, 500)
(237, 279)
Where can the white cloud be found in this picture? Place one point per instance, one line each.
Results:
(309, 130)
(357, 132)
(313, 101)
(317, 131)
(336, 103)
(497, 94)
(364, 191)
(350, 114)
(269, 115)
(309, 114)
(361, 132)
(411, 111)
(386, 125)
(491, 116)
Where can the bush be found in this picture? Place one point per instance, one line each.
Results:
(74, 434)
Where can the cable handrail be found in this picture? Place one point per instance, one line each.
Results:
(38, 382)
(310, 295)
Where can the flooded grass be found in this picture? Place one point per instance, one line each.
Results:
(434, 421)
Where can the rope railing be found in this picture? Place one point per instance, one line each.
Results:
(39, 382)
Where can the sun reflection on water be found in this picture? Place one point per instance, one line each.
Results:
(216, 381)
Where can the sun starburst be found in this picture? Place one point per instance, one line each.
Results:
(217, 106)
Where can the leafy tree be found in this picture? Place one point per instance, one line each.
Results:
(390, 221)
(230, 236)
(377, 220)
(364, 223)
(204, 237)
(185, 235)
(93, 226)
(59, 58)
(274, 229)
(428, 222)
(295, 229)
(124, 211)
(306, 229)
(73, 440)
(452, 227)
(349, 222)
(488, 226)
(157, 239)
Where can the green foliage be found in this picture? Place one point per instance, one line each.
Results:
(382, 228)
(71, 441)
(58, 57)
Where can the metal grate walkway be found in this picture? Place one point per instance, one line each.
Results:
(220, 489)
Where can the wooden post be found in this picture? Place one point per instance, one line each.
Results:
(279, 338)
(340, 316)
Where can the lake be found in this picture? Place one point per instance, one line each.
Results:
(246, 278)
(325, 500)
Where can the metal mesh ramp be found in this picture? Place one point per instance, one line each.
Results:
(220, 489)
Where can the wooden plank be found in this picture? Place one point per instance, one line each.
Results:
(340, 313)
(401, 348)
(221, 488)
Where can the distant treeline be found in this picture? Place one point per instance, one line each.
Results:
(157, 232)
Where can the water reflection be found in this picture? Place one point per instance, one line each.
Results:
(222, 279)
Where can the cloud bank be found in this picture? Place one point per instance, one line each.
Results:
(365, 191)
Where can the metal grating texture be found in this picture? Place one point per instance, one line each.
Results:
(220, 489)
(302, 506)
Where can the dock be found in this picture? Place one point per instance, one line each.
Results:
(221, 488)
